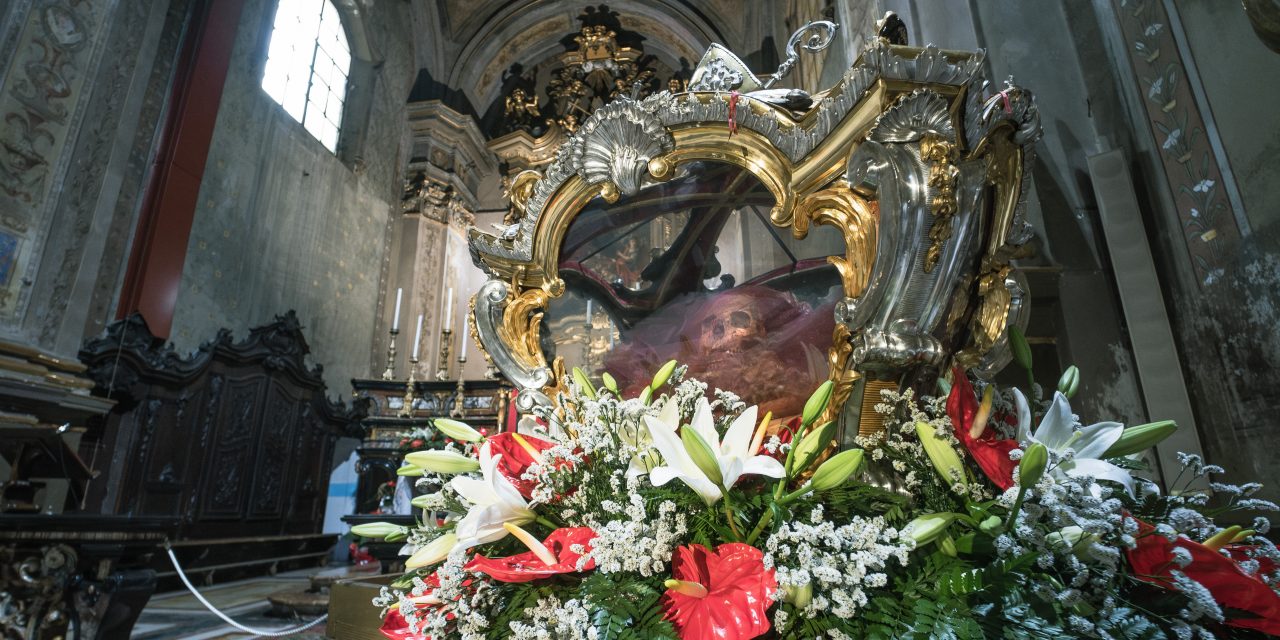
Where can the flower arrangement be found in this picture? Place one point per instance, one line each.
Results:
(678, 514)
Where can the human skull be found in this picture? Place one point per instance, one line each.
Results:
(734, 328)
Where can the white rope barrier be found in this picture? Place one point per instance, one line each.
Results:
(274, 633)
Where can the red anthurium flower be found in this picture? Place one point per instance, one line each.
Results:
(526, 567)
(1231, 587)
(992, 454)
(721, 594)
(518, 453)
(395, 627)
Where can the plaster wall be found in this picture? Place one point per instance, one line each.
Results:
(283, 223)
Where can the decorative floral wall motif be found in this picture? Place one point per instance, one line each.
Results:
(1208, 224)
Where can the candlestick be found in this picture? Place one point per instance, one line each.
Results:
(442, 365)
(395, 317)
(390, 372)
(417, 338)
(410, 398)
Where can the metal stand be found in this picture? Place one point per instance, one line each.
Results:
(390, 373)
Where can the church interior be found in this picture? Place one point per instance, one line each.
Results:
(274, 270)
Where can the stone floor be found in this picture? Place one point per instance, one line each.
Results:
(174, 615)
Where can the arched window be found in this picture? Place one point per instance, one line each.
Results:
(307, 66)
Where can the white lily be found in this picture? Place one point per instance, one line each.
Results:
(640, 437)
(733, 454)
(494, 502)
(1059, 431)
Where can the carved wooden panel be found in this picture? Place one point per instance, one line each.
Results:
(235, 439)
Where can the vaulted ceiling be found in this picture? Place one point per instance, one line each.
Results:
(469, 44)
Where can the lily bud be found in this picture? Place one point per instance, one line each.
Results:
(810, 447)
(1141, 438)
(409, 471)
(1021, 350)
(646, 395)
(580, 379)
(425, 501)
(440, 461)
(433, 552)
(947, 545)
(944, 387)
(1034, 461)
(944, 458)
(1221, 538)
(991, 526)
(685, 587)
(460, 431)
(609, 382)
(836, 470)
(700, 451)
(1069, 383)
(1071, 538)
(376, 529)
(540, 550)
(800, 595)
(984, 413)
(1243, 535)
(660, 378)
(927, 528)
(758, 440)
(817, 403)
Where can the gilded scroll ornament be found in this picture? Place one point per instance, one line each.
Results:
(943, 174)
(855, 218)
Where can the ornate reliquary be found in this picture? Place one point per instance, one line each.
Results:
(772, 239)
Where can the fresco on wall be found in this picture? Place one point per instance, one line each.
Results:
(1209, 226)
(42, 86)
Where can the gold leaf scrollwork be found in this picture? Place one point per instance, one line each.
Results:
(993, 309)
(521, 322)
(941, 155)
(519, 191)
(857, 221)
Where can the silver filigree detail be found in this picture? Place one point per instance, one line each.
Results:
(912, 116)
(816, 35)
(720, 70)
(617, 142)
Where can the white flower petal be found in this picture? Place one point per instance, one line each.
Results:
(704, 424)
(1095, 439)
(473, 490)
(730, 470)
(1098, 470)
(669, 414)
(662, 475)
(763, 466)
(737, 439)
(1057, 427)
(1024, 416)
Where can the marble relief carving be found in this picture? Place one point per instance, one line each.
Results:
(1209, 226)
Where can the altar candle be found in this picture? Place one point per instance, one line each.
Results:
(588, 311)
(466, 337)
(448, 310)
(417, 337)
(395, 319)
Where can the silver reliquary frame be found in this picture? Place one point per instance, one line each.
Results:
(918, 161)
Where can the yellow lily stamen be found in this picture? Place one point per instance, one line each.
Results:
(1221, 539)
(984, 413)
(544, 554)
(691, 589)
(757, 441)
(524, 444)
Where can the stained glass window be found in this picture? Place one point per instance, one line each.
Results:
(307, 66)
